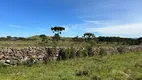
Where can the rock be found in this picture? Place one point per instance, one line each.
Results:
(1, 57)
(7, 57)
(7, 61)
(2, 63)
(14, 62)
(24, 59)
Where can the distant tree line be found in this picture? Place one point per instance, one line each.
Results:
(128, 41)
(10, 38)
(124, 41)
(87, 37)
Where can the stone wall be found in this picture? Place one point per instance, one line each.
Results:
(15, 56)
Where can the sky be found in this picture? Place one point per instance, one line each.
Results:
(102, 17)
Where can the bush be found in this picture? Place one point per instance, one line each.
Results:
(63, 54)
(90, 51)
(67, 54)
(51, 52)
(122, 49)
(103, 51)
(72, 53)
(46, 59)
(85, 53)
(138, 64)
(79, 53)
(84, 72)
(19, 62)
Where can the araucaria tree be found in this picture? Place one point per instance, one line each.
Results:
(57, 30)
(89, 36)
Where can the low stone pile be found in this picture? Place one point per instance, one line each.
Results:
(17, 56)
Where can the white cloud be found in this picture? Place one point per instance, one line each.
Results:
(127, 30)
(15, 26)
(88, 24)
(92, 21)
(108, 28)
(66, 28)
(41, 29)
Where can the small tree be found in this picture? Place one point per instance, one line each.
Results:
(89, 36)
(9, 38)
(57, 30)
(44, 40)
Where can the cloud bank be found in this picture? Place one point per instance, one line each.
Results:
(127, 30)
(15, 26)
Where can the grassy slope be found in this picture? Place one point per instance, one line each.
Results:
(114, 67)
(66, 43)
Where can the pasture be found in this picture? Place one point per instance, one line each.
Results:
(126, 66)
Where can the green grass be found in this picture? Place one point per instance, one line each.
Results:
(61, 43)
(114, 67)
(17, 43)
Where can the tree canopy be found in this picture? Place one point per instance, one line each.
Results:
(57, 29)
(89, 35)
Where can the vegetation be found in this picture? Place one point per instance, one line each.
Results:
(57, 30)
(89, 36)
(57, 40)
(64, 58)
(66, 41)
(115, 67)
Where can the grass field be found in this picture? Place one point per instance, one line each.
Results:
(66, 43)
(114, 67)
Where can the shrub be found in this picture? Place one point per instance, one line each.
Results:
(103, 51)
(122, 49)
(63, 54)
(72, 53)
(90, 51)
(85, 53)
(79, 53)
(51, 52)
(46, 59)
(19, 62)
(138, 64)
(67, 53)
(84, 72)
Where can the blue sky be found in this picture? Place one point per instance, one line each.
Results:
(101, 17)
